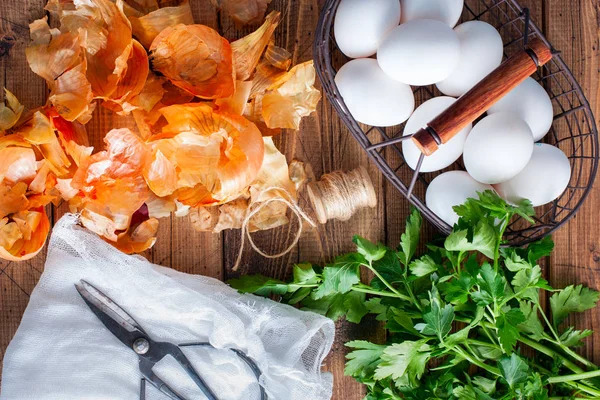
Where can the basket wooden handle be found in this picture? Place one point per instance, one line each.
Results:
(481, 97)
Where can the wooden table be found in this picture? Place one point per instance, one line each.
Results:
(571, 25)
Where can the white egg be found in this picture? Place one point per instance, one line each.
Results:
(543, 179)
(447, 11)
(481, 50)
(372, 97)
(451, 189)
(420, 52)
(531, 102)
(498, 148)
(447, 153)
(360, 25)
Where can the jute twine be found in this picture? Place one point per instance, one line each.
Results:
(337, 195)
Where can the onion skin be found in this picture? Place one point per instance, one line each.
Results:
(195, 58)
(29, 248)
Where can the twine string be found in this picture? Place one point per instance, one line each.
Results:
(337, 195)
(256, 206)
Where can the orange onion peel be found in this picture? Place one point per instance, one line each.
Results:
(278, 56)
(133, 81)
(243, 11)
(108, 64)
(111, 184)
(72, 136)
(147, 27)
(236, 103)
(10, 112)
(216, 154)
(58, 58)
(291, 97)
(274, 173)
(39, 132)
(23, 235)
(248, 50)
(195, 58)
(140, 235)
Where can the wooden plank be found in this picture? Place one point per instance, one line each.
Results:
(292, 34)
(179, 246)
(18, 279)
(328, 146)
(572, 27)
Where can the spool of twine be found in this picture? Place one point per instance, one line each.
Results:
(339, 195)
(336, 196)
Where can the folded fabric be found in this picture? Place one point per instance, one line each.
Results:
(62, 350)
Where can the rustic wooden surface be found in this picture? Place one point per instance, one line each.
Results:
(571, 25)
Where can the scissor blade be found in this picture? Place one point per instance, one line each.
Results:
(121, 324)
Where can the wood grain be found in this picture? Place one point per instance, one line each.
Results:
(322, 141)
(18, 279)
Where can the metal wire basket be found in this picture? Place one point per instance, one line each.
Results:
(574, 129)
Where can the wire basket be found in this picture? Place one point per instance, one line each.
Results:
(574, 129)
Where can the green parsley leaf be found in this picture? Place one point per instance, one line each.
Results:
(484, 384)
(484, 240)
(399, 321)
(423, 266)
(404, 361)
(527, 282)
(513, 369)
(305, 274)
(341, 275)
(364, 359)
(513, 261)
(534, 388)
(507, 327)
(457, 290)
(540, 249)
(438, 320)
(491, 284)
(258, 284)
(574, 338)
(532, 325)
(375, 307)
(335, 306)
(389, 268)
(369, 250)
(355, 304)
(410, 238)
(571, 299)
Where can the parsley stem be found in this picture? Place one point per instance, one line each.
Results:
(387, 284)
(576, 356)
(461, 352)
(558, 342)
(503, 227)
(576, 385)
(550, 353)
(362, 289)
(574, 377)
(547, 322)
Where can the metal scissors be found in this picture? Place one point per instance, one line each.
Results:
(150, 352)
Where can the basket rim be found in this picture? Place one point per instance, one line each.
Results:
(321, 42)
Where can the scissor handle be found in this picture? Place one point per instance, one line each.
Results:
(250, 362)
(159, 350)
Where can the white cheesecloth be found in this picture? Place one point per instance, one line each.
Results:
(62, 351)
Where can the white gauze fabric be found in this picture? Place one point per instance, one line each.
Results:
(62, 351)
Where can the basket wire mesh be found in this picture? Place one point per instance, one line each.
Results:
(573, 130)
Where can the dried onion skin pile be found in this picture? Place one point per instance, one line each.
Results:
(204, 110)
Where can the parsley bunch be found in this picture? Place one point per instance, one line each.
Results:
(464, 320)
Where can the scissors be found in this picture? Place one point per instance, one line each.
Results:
(150, 352)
